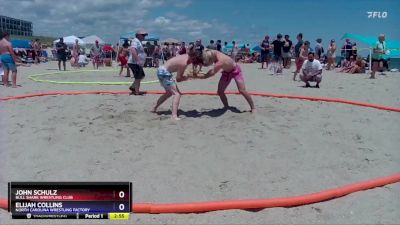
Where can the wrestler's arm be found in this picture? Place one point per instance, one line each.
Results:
(11, 51)
(180, 77)
(217, 67)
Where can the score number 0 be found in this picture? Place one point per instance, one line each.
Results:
(121, 194)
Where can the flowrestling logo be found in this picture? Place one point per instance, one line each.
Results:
(377, 15)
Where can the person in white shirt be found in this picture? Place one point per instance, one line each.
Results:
(312, 71)
(82, 60)
(136, 60)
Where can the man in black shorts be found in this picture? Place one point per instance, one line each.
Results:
(265, 48)
(136, 60)
(61, 48)
(278, 47)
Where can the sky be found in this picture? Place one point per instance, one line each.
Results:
(245, 21)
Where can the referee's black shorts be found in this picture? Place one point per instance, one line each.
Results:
(138, 72)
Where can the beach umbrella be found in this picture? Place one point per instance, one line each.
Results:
(171, 41)
(107, 48)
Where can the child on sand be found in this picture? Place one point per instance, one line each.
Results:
(230, 70)
(177, 65)
(123, 59)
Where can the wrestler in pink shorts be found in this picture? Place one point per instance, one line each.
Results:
(235, 74)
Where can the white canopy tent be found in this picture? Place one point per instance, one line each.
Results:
(92, 40)
(171, 41)
(70, 40)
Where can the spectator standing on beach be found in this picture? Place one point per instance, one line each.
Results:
(115, 52)
(331, 54)
(312, 71)
(303, 55)
(156, 55)
(75, 53)
(225, 48)
(166, 52)
(378, 54)
(36, 51)
(235, 50)
(277, 46)
(136, 60)
(219, 45)
(354, 50)
(173, 49)
(182, 49)
(265, 52)
(148, 49)
(95, 53)
(319, 50)
(40, 55)
(177, 49)
(198, 45)
(8, 60)
(297, 47)
(286, 54)
(212, 46)
(61, 48)
(347, 49)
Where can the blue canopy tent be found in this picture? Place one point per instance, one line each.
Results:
(256, 48)
(392, 45)
(21, 44)
(132, 35)
(230, 45)
(127, 36)
(151, 37)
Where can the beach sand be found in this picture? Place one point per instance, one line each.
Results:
(289, 147)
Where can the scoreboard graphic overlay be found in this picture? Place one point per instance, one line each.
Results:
(70, 200)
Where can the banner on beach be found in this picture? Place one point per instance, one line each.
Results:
(21, 44)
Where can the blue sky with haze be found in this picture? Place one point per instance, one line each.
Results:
(244, 21)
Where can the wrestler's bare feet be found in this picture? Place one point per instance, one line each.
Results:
(176, 118)
(253, 110)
